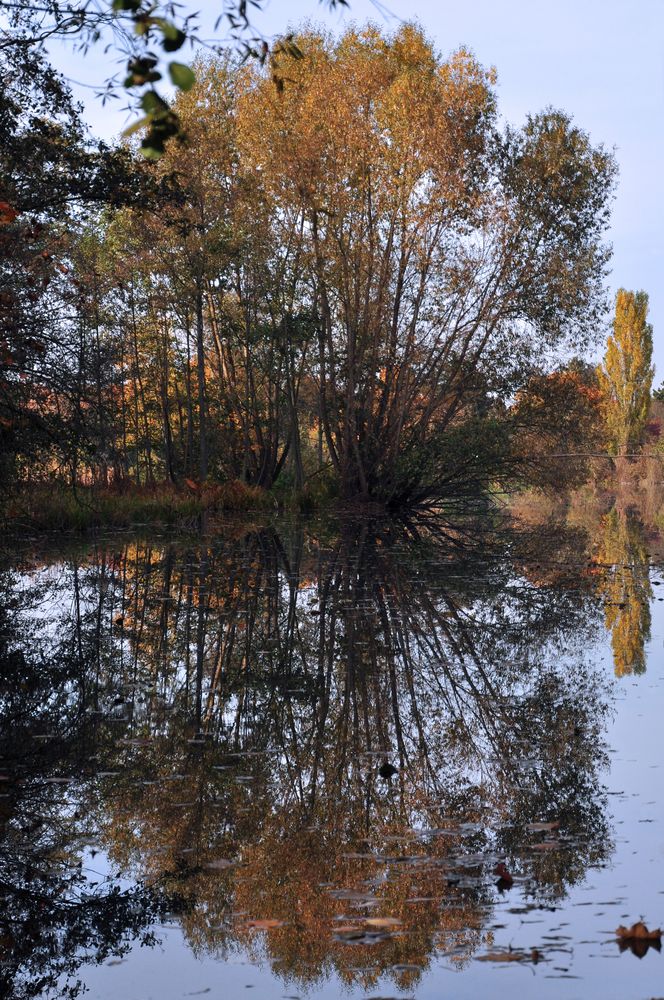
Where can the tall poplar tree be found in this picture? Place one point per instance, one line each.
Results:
(625, 378)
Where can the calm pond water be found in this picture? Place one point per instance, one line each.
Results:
(320, 760)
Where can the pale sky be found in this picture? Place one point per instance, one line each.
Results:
(600, 60)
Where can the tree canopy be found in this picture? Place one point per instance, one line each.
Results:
(340, 280)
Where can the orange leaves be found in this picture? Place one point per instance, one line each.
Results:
(366, 113)
(638, 939)
(638, 931)
(7, 213)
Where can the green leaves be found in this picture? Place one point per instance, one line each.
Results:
(137, 125)
(161, 123)
(163, 126)
(142, 71)
(172, 37)
(153, 104)
(183, 77)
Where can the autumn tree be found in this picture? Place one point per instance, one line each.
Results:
(626, 375)
(349, 270)
(441, 253)
(557, 420)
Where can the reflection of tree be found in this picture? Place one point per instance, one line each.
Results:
(625, 584)
(54, 915)
(243, 692)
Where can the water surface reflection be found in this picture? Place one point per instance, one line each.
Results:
(193, 732)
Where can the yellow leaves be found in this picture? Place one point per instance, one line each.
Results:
(627, 591)
(367, 114)
(626, 376)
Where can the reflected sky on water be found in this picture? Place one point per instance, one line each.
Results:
(316, 759)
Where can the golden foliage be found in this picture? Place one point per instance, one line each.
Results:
(626, 587)
(626, 376)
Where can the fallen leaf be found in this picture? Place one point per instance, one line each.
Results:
(638, 931)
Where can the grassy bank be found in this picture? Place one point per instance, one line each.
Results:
(55, 507)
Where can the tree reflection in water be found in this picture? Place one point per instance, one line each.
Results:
(625, 583)
(212, 717)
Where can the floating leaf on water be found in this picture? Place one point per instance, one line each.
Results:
(638, 932)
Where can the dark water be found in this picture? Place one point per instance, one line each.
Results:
(193, 732)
